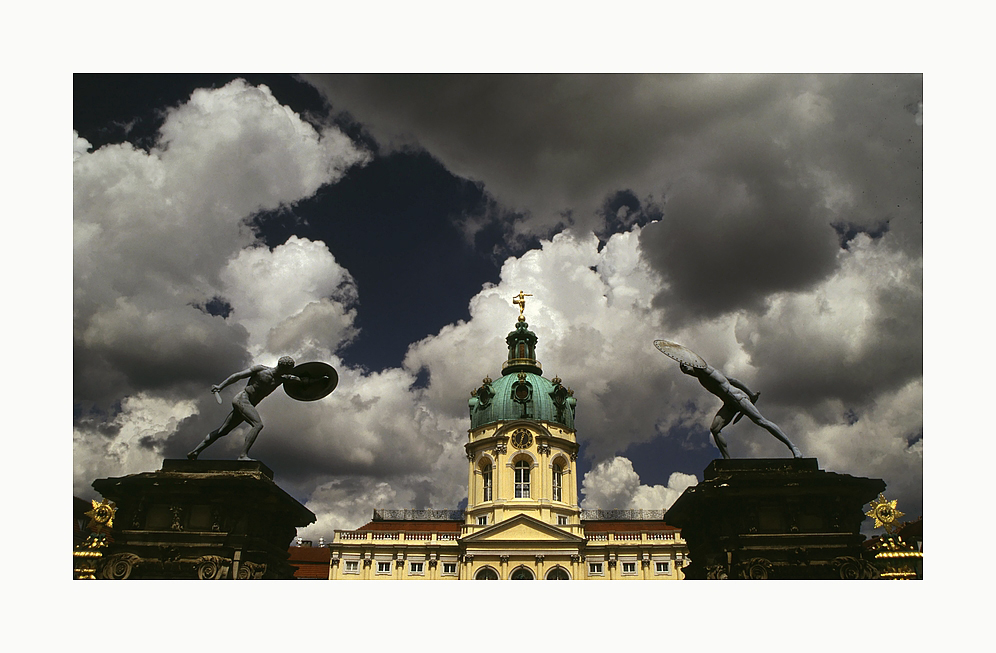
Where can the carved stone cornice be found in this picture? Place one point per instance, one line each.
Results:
(557, 441)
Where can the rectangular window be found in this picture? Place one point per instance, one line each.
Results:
(486, 472)
(629, 567)
(558, 483)
(663, 567)
(352, 567)
(561, 520)
(595, 568)
(415, 568)
(522, 480)
(383, 567)
(449, 568)
(482, 520)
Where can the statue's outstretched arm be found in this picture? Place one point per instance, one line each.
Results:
(739, 384)
(307, 380)
(244, 374)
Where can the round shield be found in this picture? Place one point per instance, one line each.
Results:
(680, 353)
(304, 391)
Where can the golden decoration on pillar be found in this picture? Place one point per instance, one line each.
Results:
(885, 514)
(87, 556)
(101, 515)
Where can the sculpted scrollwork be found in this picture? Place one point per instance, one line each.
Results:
(211, 567)
(118, 566)
(849, 568)
(755, 569)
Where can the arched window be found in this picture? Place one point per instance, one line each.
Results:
(522, 573)
(486, 573)
(558, 573)
(558, 482)
(522, 468)
(486, 475)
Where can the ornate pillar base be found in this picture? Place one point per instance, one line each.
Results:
(201, 519)
(779, 518)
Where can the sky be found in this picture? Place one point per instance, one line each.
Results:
(383, 223)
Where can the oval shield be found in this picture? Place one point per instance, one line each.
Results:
(680, 353)
(315, 390)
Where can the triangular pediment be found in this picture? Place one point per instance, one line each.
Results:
(522, 528)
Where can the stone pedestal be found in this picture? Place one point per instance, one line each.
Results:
(206, 519)
(779, 518)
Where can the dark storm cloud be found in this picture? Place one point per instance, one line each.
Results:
(767, 161)
(542, 143)
(729, 240)
(130, 351)
(858, 337)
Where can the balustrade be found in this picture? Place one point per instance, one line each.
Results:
(352, 535)
(418, 536)
(625, 536)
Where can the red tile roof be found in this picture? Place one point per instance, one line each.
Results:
(309, 554)
(312, 572)
(311, 562)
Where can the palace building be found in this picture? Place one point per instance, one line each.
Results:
(523, 519)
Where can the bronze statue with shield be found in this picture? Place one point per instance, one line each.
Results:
(305, 382)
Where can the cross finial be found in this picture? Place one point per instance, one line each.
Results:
(520, 299)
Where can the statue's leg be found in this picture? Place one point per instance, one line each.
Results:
(771, 428)
(251, 415)
(233, 420)
(721, 419)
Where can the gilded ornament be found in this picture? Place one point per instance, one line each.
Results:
(520, 300)
(101, 515)
(885, 514)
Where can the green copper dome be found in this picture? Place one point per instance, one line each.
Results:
(522, 392)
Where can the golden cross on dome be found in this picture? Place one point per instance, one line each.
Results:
(521, 301)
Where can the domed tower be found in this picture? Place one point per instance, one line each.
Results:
(522, 444)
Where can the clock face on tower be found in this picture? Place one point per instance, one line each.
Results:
(522, 439)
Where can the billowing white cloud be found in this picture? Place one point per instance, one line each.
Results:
(614, 485)
(297, 289)
(163, 232)
(132, 441)
(163, 250)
